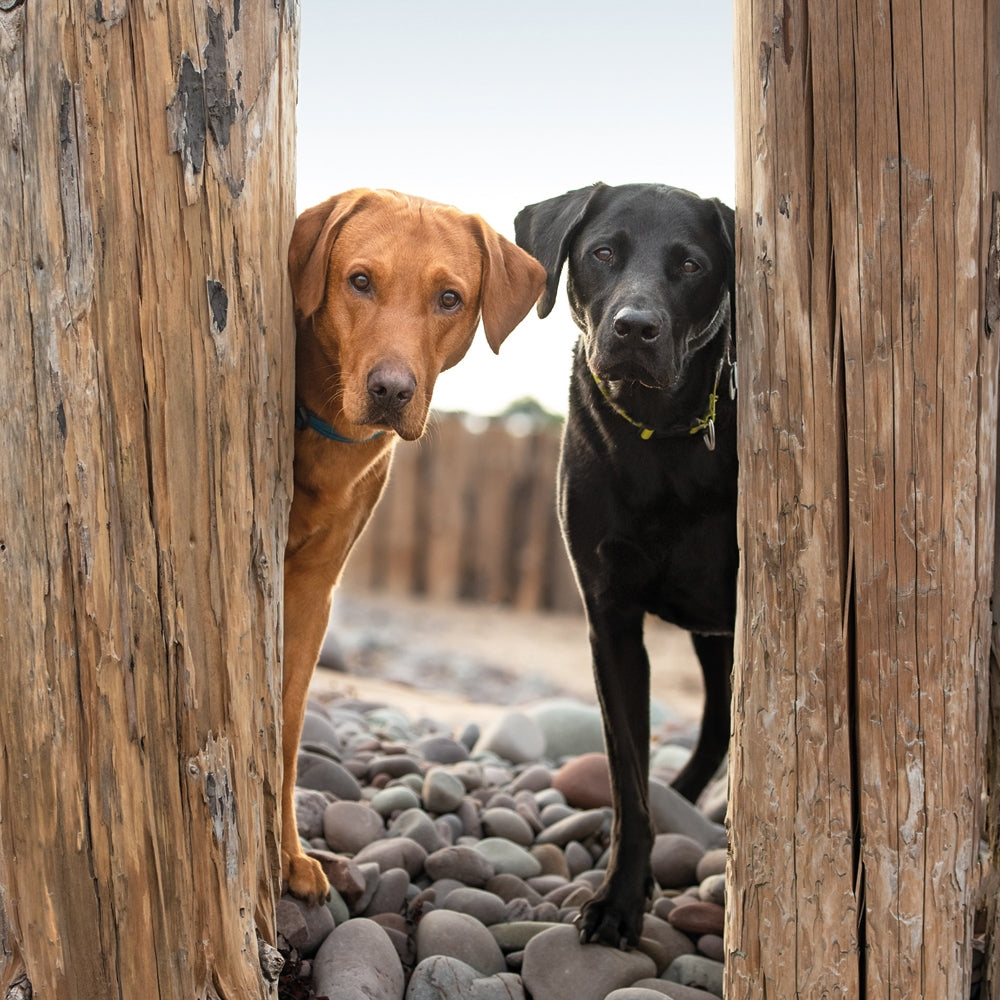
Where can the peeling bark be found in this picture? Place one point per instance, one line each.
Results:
(147, 166)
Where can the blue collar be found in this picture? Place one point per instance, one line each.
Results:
(306, 418)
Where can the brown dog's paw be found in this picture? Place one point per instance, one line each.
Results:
(305, 878)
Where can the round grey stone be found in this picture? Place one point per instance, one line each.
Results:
(557, 966)
(447, 932)
(443, 978)
(349, 826)
(442, 791)
(570, 728)
(309, 808)
(441, 750)
(484, 906)
(416, 825)
(394, 799)
(577, 826)
(466, 864)
(698, 971)
(394, 852)
(319, 734)
(321, 773)
(506, 823)
(512, 736)
(672, 813)
(675, 860)
(358, 960)
(390, 896)
(509, 858)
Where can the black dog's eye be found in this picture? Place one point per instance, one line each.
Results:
(604, 254)
(691, 266)
(450, 300)
(360, 282)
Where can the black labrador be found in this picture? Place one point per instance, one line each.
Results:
(647, 476)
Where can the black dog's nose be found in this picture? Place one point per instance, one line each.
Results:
(629, 322)
(391, 384)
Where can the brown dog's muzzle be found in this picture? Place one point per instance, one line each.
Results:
(392, 398)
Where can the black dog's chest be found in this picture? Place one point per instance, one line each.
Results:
(679, 555)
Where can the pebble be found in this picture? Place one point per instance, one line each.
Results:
(442, 749)
(458, 879)
(509, 858)
(304, 927)
(349, 826)
(557, 967)
(713, 889)
(570, 728)
(712, 946)
(322, 774)
(319, 734)
(309, 808)
(514, 737)
(441, 977)
(442, 791)
(675, 858)
(486, 907)
(698, 917)
(390, 893)
(358, 960)
(672, 813)
(506, 823)
(577, 826)
(698, 971)
(458, 935)
(417, 826)
(460, 862)
(397, 852)
(713, 863)
(394, 799)
(585, 781)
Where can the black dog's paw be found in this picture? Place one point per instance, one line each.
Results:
(612, 919)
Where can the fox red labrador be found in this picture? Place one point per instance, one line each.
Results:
(388, 290)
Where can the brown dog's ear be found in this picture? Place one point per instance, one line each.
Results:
(546, 229)
(512, 282)
(313, 236)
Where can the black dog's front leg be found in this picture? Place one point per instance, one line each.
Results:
(621, 669)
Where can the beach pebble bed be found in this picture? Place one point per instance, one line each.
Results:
(458, 862)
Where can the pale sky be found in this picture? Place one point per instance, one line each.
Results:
(493, 106)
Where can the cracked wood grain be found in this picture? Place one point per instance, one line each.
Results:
(867, 163)
(145, 333)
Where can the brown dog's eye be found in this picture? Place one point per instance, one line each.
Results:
(691, 266)
(604, 254)
(450, 300)
(360, 282)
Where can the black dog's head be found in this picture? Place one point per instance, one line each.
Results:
(650, 275)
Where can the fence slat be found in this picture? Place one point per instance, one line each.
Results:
(471, 516)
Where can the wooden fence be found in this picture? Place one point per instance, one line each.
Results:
(469, 514)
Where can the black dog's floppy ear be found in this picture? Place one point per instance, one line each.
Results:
(727, 223)
(545, 230)
(728, 219)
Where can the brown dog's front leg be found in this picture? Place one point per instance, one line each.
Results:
(621, 669)
(307, 609)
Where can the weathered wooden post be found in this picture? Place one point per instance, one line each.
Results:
(147, 179)
(868, 166)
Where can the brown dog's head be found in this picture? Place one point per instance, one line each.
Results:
(390, 289)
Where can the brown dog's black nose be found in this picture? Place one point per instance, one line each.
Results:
(629, 322)
(391, 384)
